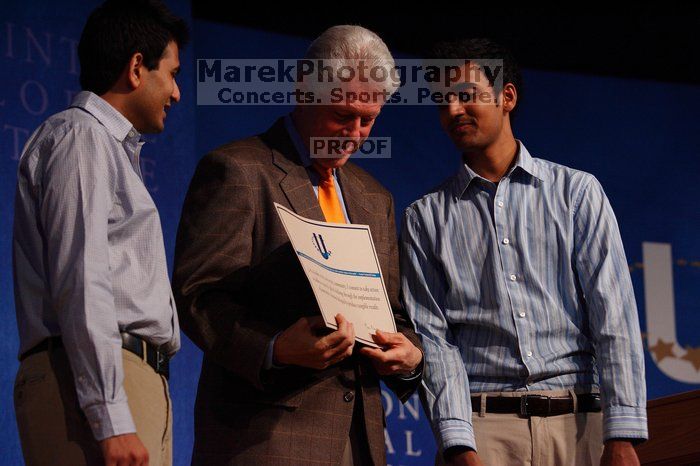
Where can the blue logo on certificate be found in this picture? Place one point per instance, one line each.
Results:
(321, 246)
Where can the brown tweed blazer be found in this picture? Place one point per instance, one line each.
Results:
(238, 283)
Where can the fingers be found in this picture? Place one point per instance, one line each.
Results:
(340, 351)
(397, 359)
(345, 332)
(385, 362)
(376, 354)
(379, 360)
(340, 318)
(389, 338)
(385, 358)
(126, 450)
(145, 459)
(300, 345)
(335, 346)
(340, 355)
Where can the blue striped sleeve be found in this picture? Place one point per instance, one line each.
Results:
(445, 387)
(604, 278)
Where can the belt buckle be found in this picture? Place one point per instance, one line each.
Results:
(525, 404)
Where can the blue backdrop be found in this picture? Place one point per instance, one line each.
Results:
(637, 137)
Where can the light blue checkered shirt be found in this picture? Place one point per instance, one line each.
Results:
(522, 285)
(88, 254)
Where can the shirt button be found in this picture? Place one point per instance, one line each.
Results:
(513, 278)
(349, 396)
(500, 203)
(506, 241)
(522, 314)
(529, 354)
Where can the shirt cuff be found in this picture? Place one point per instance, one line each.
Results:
(455, 432)
(108, 420)
(625, 422)
(269, 361)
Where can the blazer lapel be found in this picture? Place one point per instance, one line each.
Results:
(355, 197)
(295, 185)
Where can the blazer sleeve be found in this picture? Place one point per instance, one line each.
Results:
(213, 256)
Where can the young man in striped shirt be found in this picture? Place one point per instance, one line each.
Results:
(514, 273)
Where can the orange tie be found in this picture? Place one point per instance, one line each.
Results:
(328, 197)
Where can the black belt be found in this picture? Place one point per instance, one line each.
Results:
(538, 405)
(158, 360)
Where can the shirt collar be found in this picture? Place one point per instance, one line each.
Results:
(108, 116)
(528, 164)
(299, 145)
(523, 162)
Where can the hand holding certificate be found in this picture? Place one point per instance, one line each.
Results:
(301, 344)
(342, 267)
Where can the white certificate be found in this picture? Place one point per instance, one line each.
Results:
(342, 266)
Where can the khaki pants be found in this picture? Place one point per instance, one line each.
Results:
(53, 429)
(574, 439)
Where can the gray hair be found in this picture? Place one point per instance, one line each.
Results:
(347, 45)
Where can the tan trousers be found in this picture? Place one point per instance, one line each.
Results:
(53, 429)
(565, 440)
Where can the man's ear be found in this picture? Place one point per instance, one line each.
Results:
(135, 70)
(510, 97)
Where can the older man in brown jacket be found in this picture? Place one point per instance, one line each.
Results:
(275, 389)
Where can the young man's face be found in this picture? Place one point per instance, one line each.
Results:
(476, 123)
(159, 92)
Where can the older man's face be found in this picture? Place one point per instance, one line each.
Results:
(344, 120)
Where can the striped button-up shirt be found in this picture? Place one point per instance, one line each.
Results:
(522, 285)
(89, 260)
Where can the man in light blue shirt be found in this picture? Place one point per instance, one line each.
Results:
(95, 311)
(514, 273)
